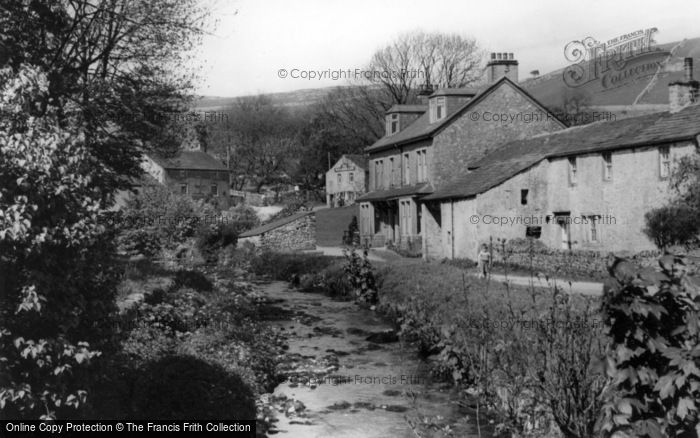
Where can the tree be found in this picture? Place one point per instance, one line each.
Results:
(85, 87)
(418, 58)
(575, 109)
(262, 139)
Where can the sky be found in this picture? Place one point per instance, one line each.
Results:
(255, 39)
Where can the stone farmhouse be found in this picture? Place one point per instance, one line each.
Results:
(191, 172)
(346, 180)
(497, 164)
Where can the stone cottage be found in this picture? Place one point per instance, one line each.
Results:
(346, 180)
(191, 172)
(526, 175)
(422, 152)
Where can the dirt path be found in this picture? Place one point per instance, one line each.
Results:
(340, 384)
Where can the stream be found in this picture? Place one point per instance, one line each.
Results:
(347, 375)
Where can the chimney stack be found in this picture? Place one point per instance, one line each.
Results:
(683, 93)
(502, 64)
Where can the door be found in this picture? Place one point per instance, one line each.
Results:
(564, 221)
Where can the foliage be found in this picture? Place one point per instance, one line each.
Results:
(673, 224)
(288, 266)
(69, 72)
(361, 276)
(531, 358)
(157, 218)
(352, 236)
(653, 359)
(177, 387)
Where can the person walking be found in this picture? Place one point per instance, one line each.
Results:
(484, 261)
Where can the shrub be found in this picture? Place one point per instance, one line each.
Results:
(193, 279)
(177, 387)
(286, 266)
(674, 224)
(359, 272)
(653, 358)
(291, 206)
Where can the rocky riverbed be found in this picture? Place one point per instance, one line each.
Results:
(348, 375)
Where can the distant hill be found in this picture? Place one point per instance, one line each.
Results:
(639, 85)
(297, 98)
(638, 88)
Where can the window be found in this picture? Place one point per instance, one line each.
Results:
(523, 196)
(215, 190)
(664, 162)
(437, 109)
(422, 171)
(391, 172)
(593, 229)
(406, 169)
(351, 176)
(440, 108)
(340, 178)
(392, 124)
(183, 174)
(533, 232)
(572, 171)
(607, 167)
(183, 189)
(378, 174)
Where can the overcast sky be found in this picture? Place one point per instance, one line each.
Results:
(254, 39)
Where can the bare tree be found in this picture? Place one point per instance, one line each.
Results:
(418, 58)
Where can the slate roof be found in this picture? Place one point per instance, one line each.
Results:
(514, 157)
(376, 195)
(197, 160)
(275, 224)
(422, 129)
(407, 109)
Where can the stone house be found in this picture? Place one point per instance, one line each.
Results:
(425, 147)
(585, 187)
(191, 172)
(346, 180)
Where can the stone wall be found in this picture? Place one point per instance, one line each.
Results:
(294, 236)
(587, 263)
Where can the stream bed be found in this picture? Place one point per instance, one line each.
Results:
(347, 375)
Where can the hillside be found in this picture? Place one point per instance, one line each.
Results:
(646, 89)
(642, 85)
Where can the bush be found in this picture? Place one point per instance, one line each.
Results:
(653, 358)
(193, 279)
(178, 387)
(288, 266)
(361, 276)
(674, 224)
(529, 358)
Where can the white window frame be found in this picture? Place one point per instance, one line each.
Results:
(607, 166)
(440, 108)
(593, 233)
(664, 162)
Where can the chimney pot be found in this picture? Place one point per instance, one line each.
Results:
(493, 55)
(499, 55)
(510, 56)
(688, 69)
